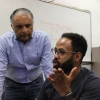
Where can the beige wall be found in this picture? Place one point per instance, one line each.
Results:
(96, 60)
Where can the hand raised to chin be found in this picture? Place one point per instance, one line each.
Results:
(61, 81)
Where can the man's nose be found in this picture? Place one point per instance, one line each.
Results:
(56, 55)
(24, 29)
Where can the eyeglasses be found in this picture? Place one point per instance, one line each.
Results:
(61, 52)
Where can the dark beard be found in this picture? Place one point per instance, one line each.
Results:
(66, 67)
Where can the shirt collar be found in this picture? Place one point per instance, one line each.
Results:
(15, 38)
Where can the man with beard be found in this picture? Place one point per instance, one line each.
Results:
(68, 80)
(24, 54)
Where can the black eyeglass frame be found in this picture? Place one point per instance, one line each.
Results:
(54, 51)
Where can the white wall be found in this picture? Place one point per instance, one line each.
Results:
(94, 7)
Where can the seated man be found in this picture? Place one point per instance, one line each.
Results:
(68, 80)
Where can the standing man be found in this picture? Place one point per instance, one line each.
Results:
(68, 80)
(24, 54)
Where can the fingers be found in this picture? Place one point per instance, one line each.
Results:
(59, 75)
(73, 73)
(50, 79)
(62, 74)
(56, 75)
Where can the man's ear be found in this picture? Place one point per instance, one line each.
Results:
(12, 26)
(78, 57)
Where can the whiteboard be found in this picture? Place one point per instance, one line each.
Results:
(54, 19)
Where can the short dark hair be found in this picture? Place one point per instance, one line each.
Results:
(20, 10)
(79, 43)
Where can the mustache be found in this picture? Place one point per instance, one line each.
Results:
(57, 63)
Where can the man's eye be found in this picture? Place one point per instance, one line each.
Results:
(28, 25)
(55, 51)
(19, 26)
(61, 52)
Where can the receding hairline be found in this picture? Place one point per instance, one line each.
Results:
(64, 40)
(21, 11)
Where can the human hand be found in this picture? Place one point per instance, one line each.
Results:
(61, 81)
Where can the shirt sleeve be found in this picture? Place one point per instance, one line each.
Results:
(91, 90)
(47, 57)
(3, 64)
